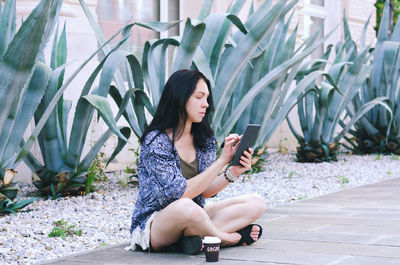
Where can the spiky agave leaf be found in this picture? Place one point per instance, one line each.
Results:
(23, 81)
(58, 174)
(379, 130)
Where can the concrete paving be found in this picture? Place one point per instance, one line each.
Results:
(354, 226)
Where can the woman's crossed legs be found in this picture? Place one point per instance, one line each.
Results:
(221, 219)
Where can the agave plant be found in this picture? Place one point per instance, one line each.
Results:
(23, 82)
(323, 109)
(135, 109)
(64, 170)
(244, 68)
(379, 130)
(261, 91)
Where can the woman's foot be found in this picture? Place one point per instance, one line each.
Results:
(243, 237)
(255, 233)
(230, 239)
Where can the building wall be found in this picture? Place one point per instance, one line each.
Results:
(82, 42)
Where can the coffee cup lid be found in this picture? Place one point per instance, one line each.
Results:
(211, 239)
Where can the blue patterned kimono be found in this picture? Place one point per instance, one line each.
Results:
(160, 177)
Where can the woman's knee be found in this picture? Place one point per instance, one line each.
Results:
(256, 202)
(189, 211)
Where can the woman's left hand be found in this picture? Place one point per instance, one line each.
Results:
(245, 161)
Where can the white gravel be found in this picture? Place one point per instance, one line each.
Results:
(104, 216)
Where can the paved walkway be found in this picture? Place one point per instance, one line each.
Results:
(355, 226)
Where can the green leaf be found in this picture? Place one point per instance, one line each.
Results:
(49, 137)
(212, 33)
(277, 72)
(253, 113)
(384, 25)
(21, 204)
(201, 63)
(104, 109)
(298, 92)
(157, 26)
(82, 118)
(114, 93)
(224, 31)
(364, 109)
(351, 81)
(294, 131)
(237, 22)
(62, 48)
(91, 155)
(233, 65)
(54, 50)
(261, 12)
(31, 99)
(347, 33)
(192, 35)
(62, 128)
(141, 100)
(84, 165)
(7, 22)
(126, 131)
(60, 92)
(32, 162)
(109, 69)
(154, 74)
(136, 70)
(391, 66)
(18, 62)
(10, 192)
(396, 33)
(363, 34)
(205, 9)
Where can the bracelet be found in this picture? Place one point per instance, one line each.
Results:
(229, 175)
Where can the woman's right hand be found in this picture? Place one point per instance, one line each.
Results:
(230, 147)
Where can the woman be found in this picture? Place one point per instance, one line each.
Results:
(177, 170)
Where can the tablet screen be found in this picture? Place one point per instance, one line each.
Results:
(248, 139)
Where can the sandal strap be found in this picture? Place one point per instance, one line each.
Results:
(245, 233)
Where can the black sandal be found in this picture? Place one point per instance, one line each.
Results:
(245, 233)
(189, 245)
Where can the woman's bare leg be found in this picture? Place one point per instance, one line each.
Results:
(184, 217)
(233, 214)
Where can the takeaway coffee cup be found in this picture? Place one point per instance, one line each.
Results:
(211, 248)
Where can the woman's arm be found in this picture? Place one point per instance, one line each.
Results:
(216, 186)
(198, 184)
(220, 182)
(202, 181)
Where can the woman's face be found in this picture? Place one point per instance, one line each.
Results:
(197, 104)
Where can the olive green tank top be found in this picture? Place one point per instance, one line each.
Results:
(189, 170)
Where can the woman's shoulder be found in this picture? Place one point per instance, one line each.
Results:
(157, 140)
(211, 140)
(210, 144)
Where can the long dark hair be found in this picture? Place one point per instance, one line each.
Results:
(171, 110)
